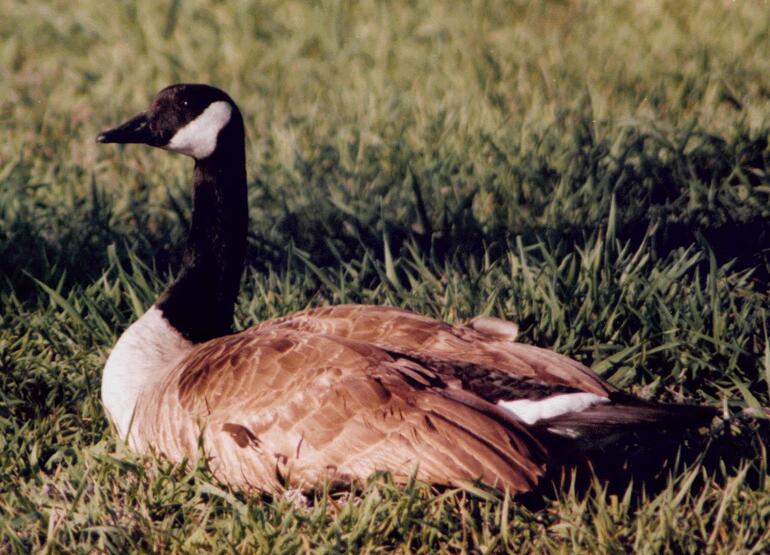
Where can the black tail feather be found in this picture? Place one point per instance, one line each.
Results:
(626, 414)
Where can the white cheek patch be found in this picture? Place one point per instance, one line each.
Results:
(199, 137)
(533, 411)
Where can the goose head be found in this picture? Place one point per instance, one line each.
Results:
(204, 123)
(191, 119)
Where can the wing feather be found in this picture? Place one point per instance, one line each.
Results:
(426, 339)
(295, 408)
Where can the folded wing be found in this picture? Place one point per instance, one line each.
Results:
(292, 408)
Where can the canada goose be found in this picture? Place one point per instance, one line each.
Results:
(333, 394)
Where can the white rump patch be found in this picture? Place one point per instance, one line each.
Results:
(549, 407)
(199, 137)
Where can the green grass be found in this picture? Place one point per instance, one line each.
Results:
(597, 171)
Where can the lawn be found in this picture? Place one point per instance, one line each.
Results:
(598, 172)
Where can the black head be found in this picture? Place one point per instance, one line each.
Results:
(185, 118)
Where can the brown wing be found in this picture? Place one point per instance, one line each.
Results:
(476, 349)
(279, 407)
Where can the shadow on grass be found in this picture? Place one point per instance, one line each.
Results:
(673, 190)
(650, 462)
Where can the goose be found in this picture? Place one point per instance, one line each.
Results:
(333, 394)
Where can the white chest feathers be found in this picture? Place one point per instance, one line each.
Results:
(144, 354)
(199, 137)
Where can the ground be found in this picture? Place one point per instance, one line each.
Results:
(596, 171)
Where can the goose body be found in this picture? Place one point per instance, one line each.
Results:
(333, 394)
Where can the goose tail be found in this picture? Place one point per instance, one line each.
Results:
(625, 415)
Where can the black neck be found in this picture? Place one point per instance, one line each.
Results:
(200, 303)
